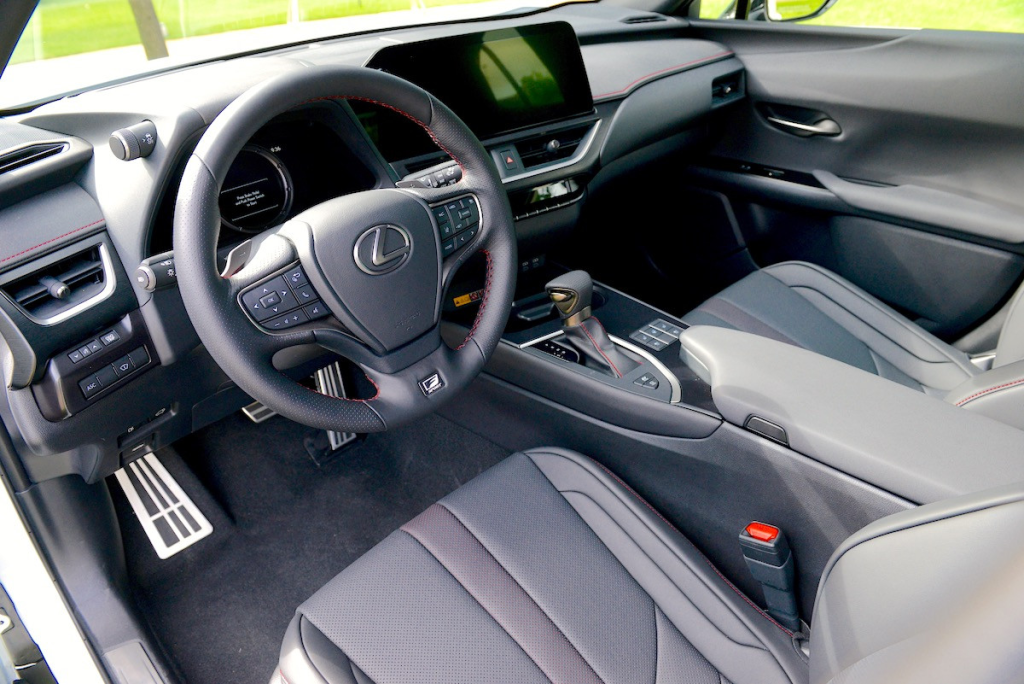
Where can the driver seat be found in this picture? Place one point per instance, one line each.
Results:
(547, 568)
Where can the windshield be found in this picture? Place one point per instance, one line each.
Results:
(71, 45)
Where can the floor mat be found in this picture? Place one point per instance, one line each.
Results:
(282, 528)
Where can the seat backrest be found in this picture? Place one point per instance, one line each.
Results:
(934, 594)
(1010, 347)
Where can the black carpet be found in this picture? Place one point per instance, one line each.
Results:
(282, 528)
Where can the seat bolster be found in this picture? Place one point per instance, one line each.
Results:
(899, 341)
(309, 657)
(735, 636)
(932, 595)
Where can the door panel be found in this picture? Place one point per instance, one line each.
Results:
(930, 144)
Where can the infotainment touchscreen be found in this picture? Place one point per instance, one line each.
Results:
(498, 81)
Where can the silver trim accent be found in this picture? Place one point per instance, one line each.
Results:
(580, 152)
(330, 382)
(673, 381)
(170, 499)
(676, 394)
(109, 283)
(378, 258)
(257, 412)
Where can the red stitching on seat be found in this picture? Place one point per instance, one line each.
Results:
(43, 244)
(281, 672)
(989, 390)
(665, 72)
(706, 560)
(399, 111)
(483, 302)
(599, 350)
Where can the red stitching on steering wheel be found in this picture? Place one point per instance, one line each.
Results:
(399, 111)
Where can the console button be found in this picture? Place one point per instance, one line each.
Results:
(656, 345)
(75, 356)
(123, 366)
(139, 357)
(90, 386)
(316, 310)
(85, 351)
(296, 277)
(289, 320)
(508, 159)
(641, 338)
(107, 376)
(94, 346)
(110, 337)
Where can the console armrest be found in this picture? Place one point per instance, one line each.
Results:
(997, 393)
(913, 445)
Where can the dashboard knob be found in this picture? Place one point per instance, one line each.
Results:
(133, 142)
(553, 145)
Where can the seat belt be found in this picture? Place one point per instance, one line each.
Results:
(770, 561)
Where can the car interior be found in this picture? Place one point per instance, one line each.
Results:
(594, 343)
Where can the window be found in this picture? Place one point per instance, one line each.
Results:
(980, 15)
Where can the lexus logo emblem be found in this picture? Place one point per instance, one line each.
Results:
(382, 249)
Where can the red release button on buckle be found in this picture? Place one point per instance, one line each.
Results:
(762, 532)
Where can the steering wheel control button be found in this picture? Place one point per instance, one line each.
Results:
(431, 384)
(110, 337)
(272, 299)
(382, 249)
(447, 247)
(305, 295)
(277, 295)
(289, 320)
(316, 310)
(90, 387)
(296, 277)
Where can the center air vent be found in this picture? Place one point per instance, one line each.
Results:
(24, 156)
(50, 293)
(551, 147)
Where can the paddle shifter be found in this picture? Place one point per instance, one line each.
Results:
(571, 294)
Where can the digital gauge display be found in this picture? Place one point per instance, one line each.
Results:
(257, 192)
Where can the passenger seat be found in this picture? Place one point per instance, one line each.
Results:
(811, 307)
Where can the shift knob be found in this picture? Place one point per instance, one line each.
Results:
(571, 294)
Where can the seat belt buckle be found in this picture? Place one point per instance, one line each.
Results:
(770, 561)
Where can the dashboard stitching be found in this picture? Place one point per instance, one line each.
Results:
(483, 302)
(668, 71)
(982, 393)
(403, 113)
(43, 244)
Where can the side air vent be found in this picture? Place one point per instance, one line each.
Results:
(643, 19)
(545, 149)
(24, 156)
(51, 293)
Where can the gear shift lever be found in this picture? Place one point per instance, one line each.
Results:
(571, 294)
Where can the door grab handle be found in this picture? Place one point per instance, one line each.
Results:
(824, 127)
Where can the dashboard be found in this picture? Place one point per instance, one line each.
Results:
(562, 100)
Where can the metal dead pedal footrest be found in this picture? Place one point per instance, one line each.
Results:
(170, 518)
(329, 381)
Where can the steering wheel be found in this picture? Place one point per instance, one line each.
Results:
(374, 264)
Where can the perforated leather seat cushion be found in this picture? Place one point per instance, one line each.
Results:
(545, 568)
(811, 307)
